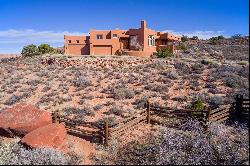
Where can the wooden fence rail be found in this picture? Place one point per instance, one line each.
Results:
(107, 131)
(241, 108)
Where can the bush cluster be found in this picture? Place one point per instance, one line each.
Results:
(188, 145)
(32, 50)
(164, 53)
(15, 154)
(123, 93)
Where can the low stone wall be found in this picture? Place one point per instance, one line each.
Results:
(142, 54)
(101, 62)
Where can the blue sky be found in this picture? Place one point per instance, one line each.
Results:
(45, 21)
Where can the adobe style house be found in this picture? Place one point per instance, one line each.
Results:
(141, 42)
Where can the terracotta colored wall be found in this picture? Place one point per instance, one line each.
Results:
(74, 48)
(109, 45)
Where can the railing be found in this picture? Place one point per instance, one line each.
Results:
(241, 109)
(127, 124)
(107, 131)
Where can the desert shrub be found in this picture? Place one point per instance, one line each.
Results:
(66, 98)
(157, 87)
(79, 112)
(46, 89)
(184, 38)
(111, 122)
(42, 74)
(33, 82)
(221, 145)
(170, 74)
(198, 105)
(81, 82)
(45, 48)
(141, 102)
(206, 62)
(13, 99)
(180, 98)
(194, 38)
(164, 53)
(116, 110)
(98, 107)
(123, 93)
(15, 154)
(29, 50)
(234, 81)
(182, 47)
(216, 101)
(197, 68)
(214, 40)
(182, 68)
(81, 101)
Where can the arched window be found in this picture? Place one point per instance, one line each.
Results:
(151, 40)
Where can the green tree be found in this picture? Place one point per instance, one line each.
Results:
(184, 38)
(45, 48)
(220, 37)
(29, 50)
(195, 38)
(164, 53)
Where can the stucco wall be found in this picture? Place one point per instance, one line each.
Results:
(93, 46)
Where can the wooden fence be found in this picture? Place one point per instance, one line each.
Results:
(87, 130)
(107, 131)
(241, 109)
(218, 115)
(127, 124)
(100, 134)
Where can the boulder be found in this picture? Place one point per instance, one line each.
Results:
(23, 118)
(52, 135)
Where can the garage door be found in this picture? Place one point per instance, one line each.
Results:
(102, 50)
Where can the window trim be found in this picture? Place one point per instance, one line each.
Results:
(115, 36)
(151, 40)
(99, 36)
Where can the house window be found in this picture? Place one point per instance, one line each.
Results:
(99, 36)
(164, 42)
(151, 40)
(69, 41)
(133, 40)
(115, 35)
(77, 41)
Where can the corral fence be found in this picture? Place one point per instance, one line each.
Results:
(241, 109)
(104, 132)
(87, 130)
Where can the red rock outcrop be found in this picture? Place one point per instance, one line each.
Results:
(52, 135)
(23, 118)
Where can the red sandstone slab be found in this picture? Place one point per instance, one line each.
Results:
(52, 135)
(23, 118)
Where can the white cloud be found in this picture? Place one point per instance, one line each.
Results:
(33, 36)
(201, 34)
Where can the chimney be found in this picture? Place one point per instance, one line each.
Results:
(143, 24)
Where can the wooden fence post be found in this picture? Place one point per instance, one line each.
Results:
(106, 128)
(207, 119)
(55, 116)
(148, 112)
(239, 103)
(208, 114)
